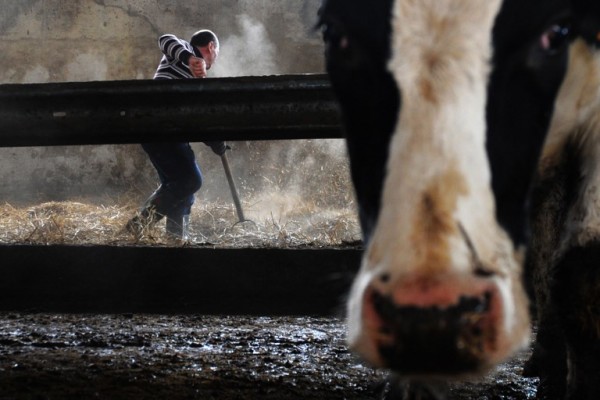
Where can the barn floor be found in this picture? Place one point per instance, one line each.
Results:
(45, 356)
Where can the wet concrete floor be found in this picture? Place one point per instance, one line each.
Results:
(47, 357)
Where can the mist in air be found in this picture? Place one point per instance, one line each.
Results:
(247, 53)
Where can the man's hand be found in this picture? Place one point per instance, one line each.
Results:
(219, 148)
(197, 67)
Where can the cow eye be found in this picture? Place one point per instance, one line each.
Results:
(334, 36)
(555, 38)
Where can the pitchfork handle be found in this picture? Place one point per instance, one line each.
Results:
(234, 193)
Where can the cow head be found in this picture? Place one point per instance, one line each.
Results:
(445, 105)
(564, 251)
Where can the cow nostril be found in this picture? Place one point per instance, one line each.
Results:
(382, 305)
(476, 305)
(386, 330)
(384, 278)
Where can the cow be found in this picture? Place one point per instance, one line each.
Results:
(564, 255)
(445, 106)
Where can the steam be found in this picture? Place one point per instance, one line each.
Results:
(248, 53)
(301, 181)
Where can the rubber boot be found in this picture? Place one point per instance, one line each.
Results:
(141, 222)
(145, 217)
(179, 228)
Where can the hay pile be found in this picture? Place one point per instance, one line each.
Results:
(276, 222)
(63, 223)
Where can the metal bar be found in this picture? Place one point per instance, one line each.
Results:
(115, 279)
(194, 110)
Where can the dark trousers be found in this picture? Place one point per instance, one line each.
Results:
(180, 178)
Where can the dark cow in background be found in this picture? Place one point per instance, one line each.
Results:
(564, 256)
(446, 104)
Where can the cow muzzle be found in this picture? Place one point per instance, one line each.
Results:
(425, 327)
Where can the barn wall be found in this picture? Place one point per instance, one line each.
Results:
(83, 40)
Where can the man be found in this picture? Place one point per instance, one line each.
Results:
(179, 174)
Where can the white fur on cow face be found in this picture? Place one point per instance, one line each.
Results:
(576, 120)
(438, 177)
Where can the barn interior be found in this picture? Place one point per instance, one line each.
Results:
(243, 309)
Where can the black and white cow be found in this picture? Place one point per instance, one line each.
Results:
(446, 104)
(564, 257)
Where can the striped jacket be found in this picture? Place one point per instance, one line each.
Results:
(176, 55)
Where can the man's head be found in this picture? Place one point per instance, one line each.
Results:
(207, 44)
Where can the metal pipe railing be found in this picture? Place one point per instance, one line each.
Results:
(194, 110)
